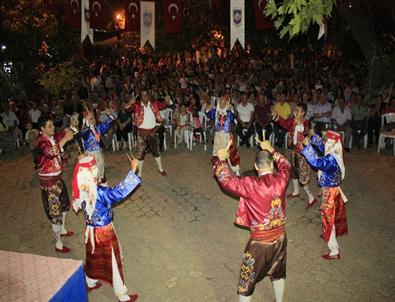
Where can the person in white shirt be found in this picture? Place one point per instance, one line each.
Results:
(342, 115)
(245, 118)
(34, 114)
(322, 111)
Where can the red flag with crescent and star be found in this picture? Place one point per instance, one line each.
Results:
(96, 14)
(261, 21)
(173, 16)
(52, 6)
(132, 15)
(217, 5)
(73, 13)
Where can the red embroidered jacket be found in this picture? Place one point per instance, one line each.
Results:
(138, 110)
(290, 125)
(48, 158)
(262, 198)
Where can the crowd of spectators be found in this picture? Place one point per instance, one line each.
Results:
(257, 84)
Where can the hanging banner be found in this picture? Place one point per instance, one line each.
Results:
(172, 16)
(236, 22)
(132, 15)
(147, 23)
(73, 13)
(85, 25)
(96, 13)
(261, 21)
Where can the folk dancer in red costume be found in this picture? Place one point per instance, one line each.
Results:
(262, 210)
(47, 156)
(103, 252)
(331, 172)
(146, 115)
(298, 127)
(223, 117)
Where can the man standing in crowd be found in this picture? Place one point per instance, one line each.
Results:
(331, 172)
(359, 123)
(49, 147)
(342, 116)
(282, 109)
(262, 117)
(146, 115)
(322, 111)
(262, 210)
(245, 118)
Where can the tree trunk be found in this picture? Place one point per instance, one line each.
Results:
(358, 17)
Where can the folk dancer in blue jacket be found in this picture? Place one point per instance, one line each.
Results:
(223, 117)
(91, 134)
(331, 172)
(103, 252)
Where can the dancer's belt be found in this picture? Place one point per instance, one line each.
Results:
(268, 235)
(47, 181)
(146, 132)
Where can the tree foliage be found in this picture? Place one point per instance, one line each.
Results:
(60, 79)
(294, 17)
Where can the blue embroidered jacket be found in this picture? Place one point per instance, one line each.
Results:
(107, 198)
(226, 123)
(89, 140)
(331, 175)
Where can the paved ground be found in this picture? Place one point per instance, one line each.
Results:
(179, 242)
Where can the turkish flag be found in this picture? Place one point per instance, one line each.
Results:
(96, 14)
(73, 13)
(173, 16)
(132, 15)
(52, 6)
(261, 21)
(217, 4)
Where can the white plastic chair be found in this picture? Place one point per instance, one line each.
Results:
(365, 141)
(187, 138)
(169, 120)
(385, 119)
(187, 135)
(115, 145)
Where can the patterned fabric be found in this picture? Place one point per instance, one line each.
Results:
(91, 135)
(99, 264)
(359, 113)
(55, 198)
(333, 212)
(103, 241)
(48, 155)
(260, 260)
(300, 168)
(290, 125)
(138, 110)
(221, 140)
(107, 198)
(331, 175)
(262, 198)
(99, 163)
(224, 122)
(146, 140)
